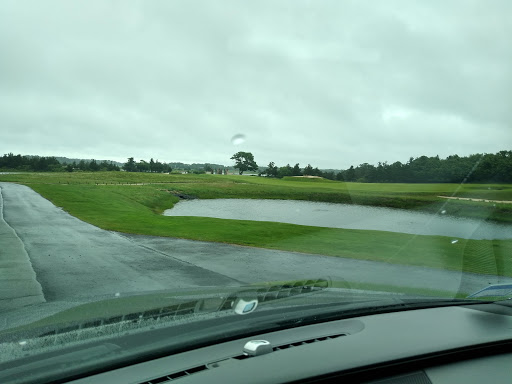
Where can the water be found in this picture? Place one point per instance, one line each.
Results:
(342, 216)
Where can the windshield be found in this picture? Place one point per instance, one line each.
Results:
(174, 163)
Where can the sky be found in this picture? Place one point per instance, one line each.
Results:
(332, 83)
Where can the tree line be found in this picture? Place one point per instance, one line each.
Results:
(454, 169)
(144, 166)
(474, 168)
(18, 162)
(273, 170)
(11, 162)
(155, 166)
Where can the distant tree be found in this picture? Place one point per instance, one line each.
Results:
(93, 166)
(69, 168)
(317, 172)
(350, 174)
(329, 175)
(130, 165)
(151, 165)
(143, 166)
(308, 170)
(365, 173)
(296, 170)
(208, 168)
(271, 170)
(82, 165)
(244, 161)
(285, 171)
(157, 166)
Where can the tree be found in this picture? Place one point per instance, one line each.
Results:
(244, 161)
(143, 166)
(93, 166)
(350, 174)
(329, 175)
(317, 172)
(130, 166)
(296, 170)
(271, 170)
(208, 168)
(308, 170)
(284, 171)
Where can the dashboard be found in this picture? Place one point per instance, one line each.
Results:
(466, 344)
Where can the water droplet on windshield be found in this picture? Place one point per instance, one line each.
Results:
(455, 241)
(22, 342)
(238, 139)
(443, 212)
(117, 294)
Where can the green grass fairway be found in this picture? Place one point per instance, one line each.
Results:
(111, 201)
(421, 197)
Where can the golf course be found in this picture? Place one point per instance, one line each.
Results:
(133, 203)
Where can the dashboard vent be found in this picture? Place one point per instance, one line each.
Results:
(190, 371)
(309, 341)
(295, 344)
(281, 291)
(176, 375)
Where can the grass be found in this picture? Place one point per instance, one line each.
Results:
(110, 201)
(420, 197)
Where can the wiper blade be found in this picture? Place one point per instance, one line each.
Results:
(241, 302)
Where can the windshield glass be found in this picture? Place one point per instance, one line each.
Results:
(172, 163)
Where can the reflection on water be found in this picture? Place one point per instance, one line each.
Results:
(342, 216)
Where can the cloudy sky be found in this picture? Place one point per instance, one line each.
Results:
(331, 83)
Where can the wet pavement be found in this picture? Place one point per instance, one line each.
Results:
(73, 260)
(256, 265)
(18, 282)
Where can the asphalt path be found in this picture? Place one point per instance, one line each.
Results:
(73, 259)
(256, 265)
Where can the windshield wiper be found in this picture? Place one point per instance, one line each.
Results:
(241, 302)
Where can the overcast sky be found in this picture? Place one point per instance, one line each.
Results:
(331, 83)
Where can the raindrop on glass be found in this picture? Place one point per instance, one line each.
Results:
(455, 241)
(117, 294)
(443, 212)
(238, 139)
(22, 342)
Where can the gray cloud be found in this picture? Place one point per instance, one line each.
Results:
(331, 83)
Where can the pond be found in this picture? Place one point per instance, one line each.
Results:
(342, 216)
